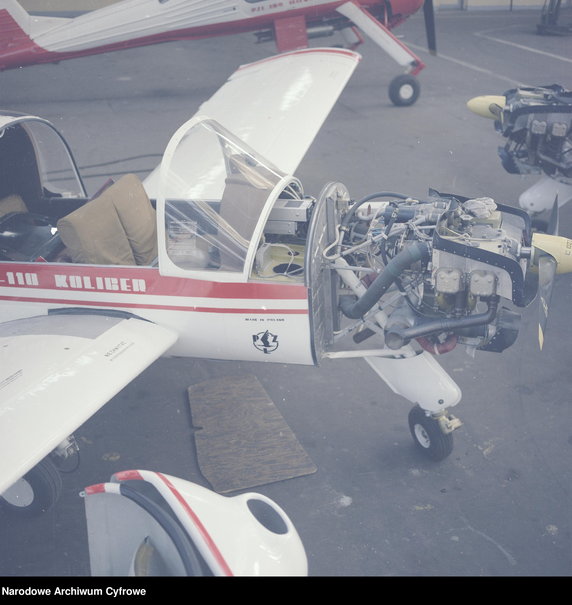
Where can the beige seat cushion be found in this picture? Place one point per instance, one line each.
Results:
(116, 228)
(12, 203)
(93, 234)
(137, 217)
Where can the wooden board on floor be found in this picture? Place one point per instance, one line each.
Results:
(242, 439)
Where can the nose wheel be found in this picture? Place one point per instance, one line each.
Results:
(433, 436)
(404, 90)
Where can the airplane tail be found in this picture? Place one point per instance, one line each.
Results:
(15, 24)
(18, 33)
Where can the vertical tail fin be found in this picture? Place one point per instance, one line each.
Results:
(14, 26)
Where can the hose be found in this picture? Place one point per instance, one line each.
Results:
(418, 251)
(448, 325)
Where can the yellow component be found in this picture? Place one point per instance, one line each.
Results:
(558, 247)
(487, 106)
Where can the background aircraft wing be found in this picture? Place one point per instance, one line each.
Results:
(57, 370)
(278, 105)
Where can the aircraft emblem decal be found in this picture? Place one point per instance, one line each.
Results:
(265, 341)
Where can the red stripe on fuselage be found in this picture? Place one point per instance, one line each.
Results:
(137, 280)
(32, 283)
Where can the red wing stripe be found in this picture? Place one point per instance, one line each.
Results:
(303, 51)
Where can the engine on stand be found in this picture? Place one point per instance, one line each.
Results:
(536, 123)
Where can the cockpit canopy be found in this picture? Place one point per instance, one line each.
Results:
(35, 161)
(216, 194)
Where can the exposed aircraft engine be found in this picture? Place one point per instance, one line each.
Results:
(537, 123)
(442, 272)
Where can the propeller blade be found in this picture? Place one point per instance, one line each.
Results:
(546, 273)
(553, 221)
(429, 15)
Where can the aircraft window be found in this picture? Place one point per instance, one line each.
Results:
(197, 238)
(55, 165)
(215, 190)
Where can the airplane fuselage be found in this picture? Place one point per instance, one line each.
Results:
(246, 321)
(30, 40)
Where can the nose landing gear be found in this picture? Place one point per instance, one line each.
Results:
(433, 435)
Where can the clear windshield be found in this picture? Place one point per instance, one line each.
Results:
(56, 167)
(215, 189)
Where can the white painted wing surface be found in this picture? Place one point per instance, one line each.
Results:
(278, 105)
(56, 371)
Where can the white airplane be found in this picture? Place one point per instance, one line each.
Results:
(30, 40)
(220, 253)
(537, 125)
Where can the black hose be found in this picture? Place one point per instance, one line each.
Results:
(418, 251)
(447, 325)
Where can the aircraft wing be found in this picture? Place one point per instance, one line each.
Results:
(278, 105)
(57, 370)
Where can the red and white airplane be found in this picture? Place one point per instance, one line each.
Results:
(29, 40)
(220, 253)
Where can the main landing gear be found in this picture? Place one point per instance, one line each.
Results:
(36, 492)
(404, 90)
(433, 435)
(41, 487)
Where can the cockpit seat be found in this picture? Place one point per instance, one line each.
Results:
(116, 228)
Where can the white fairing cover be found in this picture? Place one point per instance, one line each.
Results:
(540, 197)
(56, 371)
(278, 105)
(432, 388)
(149, 523)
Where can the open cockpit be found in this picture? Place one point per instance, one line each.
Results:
(244, 221)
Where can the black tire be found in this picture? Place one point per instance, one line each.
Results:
(37, 491)
(404, 90)
(428, 436)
